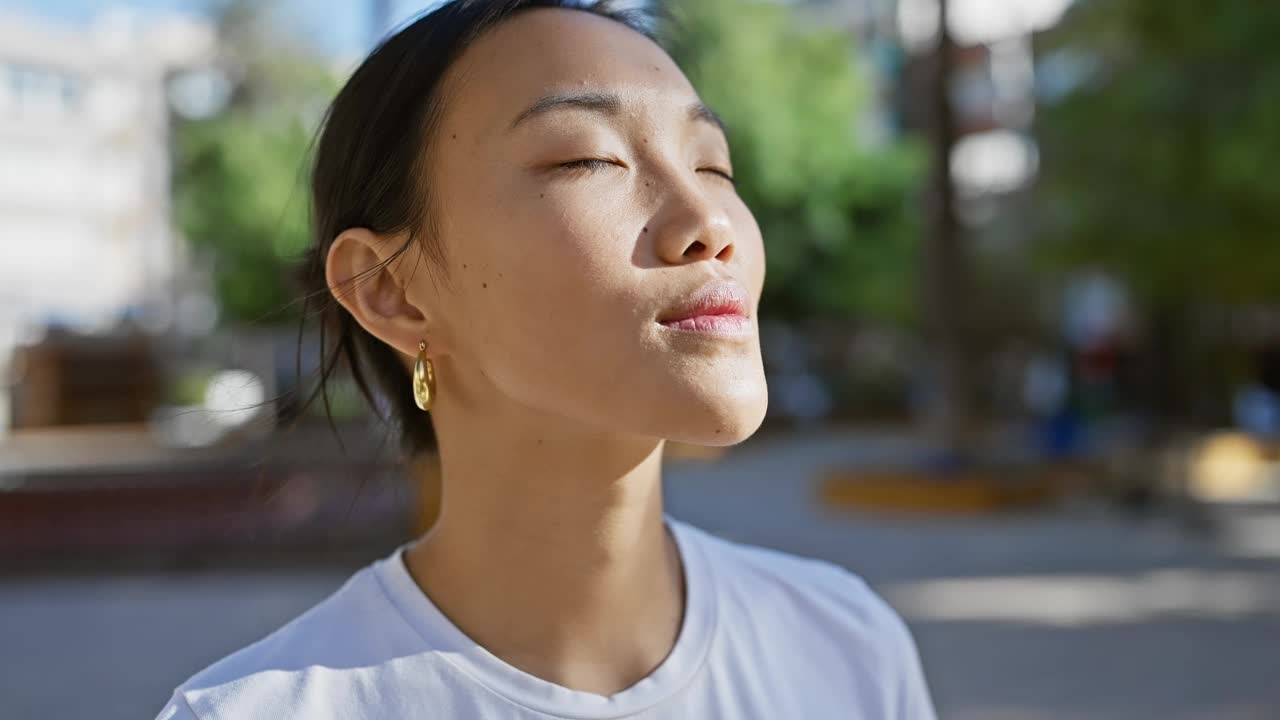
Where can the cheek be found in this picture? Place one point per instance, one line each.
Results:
(565, 259)
(546, 288)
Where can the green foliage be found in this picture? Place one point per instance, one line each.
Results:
(835, 212)
(238, 195)
(188, 386)
(1160, 166)
(240, 192)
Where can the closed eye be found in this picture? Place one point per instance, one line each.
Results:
(722, 173)
(599, 164)
(587, 164)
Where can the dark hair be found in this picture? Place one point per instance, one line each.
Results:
(368, 172)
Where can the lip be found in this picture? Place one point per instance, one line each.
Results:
(719, 307)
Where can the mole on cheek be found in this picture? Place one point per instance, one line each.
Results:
(484, 285)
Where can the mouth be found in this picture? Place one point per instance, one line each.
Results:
(718, 308)
(735, 325)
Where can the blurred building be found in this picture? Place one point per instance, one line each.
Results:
(84, 173)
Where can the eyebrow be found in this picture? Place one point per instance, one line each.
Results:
(607, 103)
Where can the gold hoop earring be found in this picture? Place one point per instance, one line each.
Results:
(424, 379)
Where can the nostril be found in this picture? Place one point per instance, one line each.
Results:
(696, 248)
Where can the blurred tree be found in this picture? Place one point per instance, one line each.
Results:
(239, 176)
(1159, 163)
(945, 267)
(836, 212)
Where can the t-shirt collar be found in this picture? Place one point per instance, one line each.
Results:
(672, 674)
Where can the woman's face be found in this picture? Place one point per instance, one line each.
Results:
(561, 272)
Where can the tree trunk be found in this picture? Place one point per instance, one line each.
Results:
(945, 272)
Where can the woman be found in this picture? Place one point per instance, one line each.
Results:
(529, 222)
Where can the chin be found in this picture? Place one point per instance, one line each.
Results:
(722, 424)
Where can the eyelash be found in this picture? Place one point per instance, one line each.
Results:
(588, 164)
(597, 164)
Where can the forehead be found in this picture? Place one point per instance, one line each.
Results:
(554, 50)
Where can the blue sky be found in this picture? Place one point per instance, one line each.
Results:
(337, 26)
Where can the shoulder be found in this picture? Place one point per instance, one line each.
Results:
(818, 594)
(353, 629)
(348, 626)
(741, 566)
(828, 615)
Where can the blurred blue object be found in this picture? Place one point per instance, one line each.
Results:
(1061, 433)
(1256, 410)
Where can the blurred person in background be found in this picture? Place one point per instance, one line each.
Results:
(529, 243)
(1256, 405)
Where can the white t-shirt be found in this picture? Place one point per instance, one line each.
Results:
(765, 635)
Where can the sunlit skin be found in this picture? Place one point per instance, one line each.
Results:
(556, 387)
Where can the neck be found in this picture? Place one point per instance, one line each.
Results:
(548, 534)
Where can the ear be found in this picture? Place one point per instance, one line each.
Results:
(362, 276)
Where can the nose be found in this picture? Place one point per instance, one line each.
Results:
(692, 226)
